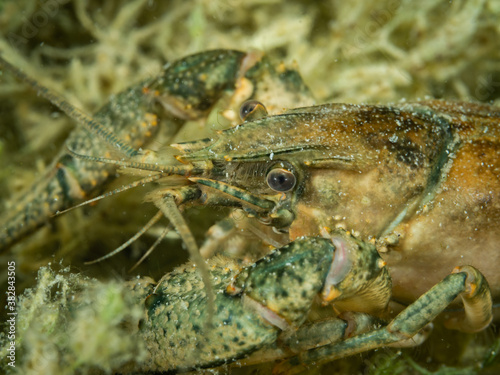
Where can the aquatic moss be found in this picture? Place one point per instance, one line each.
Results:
(70, 322)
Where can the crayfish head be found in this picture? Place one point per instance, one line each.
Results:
(265, 190)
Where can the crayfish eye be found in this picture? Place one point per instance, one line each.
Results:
(281, 180)
(252, 110)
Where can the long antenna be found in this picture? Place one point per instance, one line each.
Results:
(71, 111)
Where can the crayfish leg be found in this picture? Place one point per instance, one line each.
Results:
(312, 335)
(169, 207)
(466, 282)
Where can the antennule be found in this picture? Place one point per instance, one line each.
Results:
(182, 170)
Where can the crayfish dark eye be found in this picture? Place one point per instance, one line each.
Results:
(252, 110)
(281, 180)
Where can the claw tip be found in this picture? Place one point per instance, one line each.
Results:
(330, 294)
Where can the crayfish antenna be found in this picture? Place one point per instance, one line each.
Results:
(132, 185)
(153, 246)
(71, 111)
(168, 206)
(131, 240)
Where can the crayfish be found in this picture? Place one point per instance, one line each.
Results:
(414, 185)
